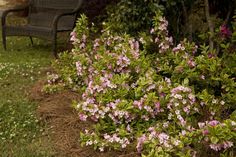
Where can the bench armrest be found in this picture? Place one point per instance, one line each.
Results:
(74, 12)
(57, 18)
(17, 9)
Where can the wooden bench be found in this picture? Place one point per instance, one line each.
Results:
(45, 19)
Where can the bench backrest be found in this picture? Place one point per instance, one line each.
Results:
(42, 12)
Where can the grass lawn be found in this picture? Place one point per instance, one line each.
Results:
(21, 66)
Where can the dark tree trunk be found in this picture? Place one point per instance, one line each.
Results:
(210, 24)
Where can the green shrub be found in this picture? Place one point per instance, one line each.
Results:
(168, 100)
(131, 16)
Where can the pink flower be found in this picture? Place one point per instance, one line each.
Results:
(96, 43)
(170, 40)
(122, 61)
(205, 132)
(139, 103)
(183, 132)
(151, 129)
(192, 98)
(163, 138)
(141, 140)
(94, 118)
(179, 89)
(163, 47)
(152, 135)
(224, 145)
(163, 25)
(216, 147)
(178, 96)
(162, 95)
(156, 40)
(101, 149)
(178, 48)
(157, 105)
(106, 136)
(225, 32)
(175, 49)
(176, 142)
(187, 109)
(210, 55)
(79, 68)
(213, 123)
(108, 42)
(227, 144)
(115, 138)
(82, 46)
(83, 117)
(202, 77)
(135, 48)
(166, 124)
(128, 128)
(84, 38)
(191, 63)
(152, 31)
(89, 143)
(136, 45)
(201, 125)
(73, 36)
(181, 119)
(152, 86)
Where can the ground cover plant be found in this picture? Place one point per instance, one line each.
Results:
(21, 66)
(165, 99)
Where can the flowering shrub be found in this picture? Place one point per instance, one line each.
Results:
(169, 100)
(213, 134)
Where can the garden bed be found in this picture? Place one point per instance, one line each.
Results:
(64, 125)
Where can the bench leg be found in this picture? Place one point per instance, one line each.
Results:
(54, 46)
(31, 40)
(4, 42)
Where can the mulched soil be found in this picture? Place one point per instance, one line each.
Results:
(56, 112)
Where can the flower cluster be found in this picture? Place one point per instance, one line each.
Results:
(54, 83)
(225, 32)
(52, 78)
(214, 135)
(224, 145)
(182, 104)
(161, 142)
(162, 39)
(105, 140)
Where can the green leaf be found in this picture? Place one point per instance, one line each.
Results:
(223, 45)
(186, 81)
(214, 140)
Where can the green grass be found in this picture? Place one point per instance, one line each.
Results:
(21, 134)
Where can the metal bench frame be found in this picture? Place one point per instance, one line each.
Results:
(45, 19)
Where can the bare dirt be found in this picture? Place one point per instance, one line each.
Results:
(56, 112)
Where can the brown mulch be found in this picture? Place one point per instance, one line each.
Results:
(56, 112)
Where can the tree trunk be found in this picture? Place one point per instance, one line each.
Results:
(210, 25)
(185, 17)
